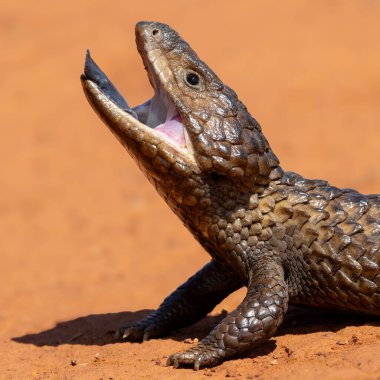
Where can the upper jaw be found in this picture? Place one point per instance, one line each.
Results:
(158, 118)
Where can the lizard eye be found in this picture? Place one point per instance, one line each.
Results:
(192, 79)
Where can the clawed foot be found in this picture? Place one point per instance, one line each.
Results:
(139, 332)
(131, 333)
(196, 357)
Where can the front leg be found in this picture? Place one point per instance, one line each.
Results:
(254, 321)
(189, 303)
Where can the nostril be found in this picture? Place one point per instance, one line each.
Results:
(155, 32)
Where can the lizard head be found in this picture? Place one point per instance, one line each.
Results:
(194, 125)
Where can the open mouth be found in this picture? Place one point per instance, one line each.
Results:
(159, 113)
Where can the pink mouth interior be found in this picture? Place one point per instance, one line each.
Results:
(173, 129)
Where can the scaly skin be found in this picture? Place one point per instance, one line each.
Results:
(284, 237)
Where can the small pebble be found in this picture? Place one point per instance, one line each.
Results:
(354, 339)
(73, 362)
(288, 351)
(342, 342)
(232, 373)
(273, 362)
(191, 341)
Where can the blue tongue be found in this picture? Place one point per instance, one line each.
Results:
(93, 73)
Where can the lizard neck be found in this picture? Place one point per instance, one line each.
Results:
(216, 210)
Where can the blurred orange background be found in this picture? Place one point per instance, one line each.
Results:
(81, 230)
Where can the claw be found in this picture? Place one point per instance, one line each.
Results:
(146, 336)
(185, 358)
(126, 334)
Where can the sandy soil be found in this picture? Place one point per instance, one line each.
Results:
(86, 244)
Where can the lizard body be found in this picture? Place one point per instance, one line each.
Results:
(286, 238)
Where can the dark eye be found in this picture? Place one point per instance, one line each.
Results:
(192, 79)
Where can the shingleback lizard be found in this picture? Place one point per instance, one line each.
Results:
(284, 237)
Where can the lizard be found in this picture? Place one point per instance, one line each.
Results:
(285, 238)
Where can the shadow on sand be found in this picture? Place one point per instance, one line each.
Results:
(99, 329)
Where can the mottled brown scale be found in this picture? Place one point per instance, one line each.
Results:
(286, 238)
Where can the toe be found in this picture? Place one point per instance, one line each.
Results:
(132, 333)
(196, 357)
(186, 358)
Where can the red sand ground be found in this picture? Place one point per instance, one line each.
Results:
(86, 244)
